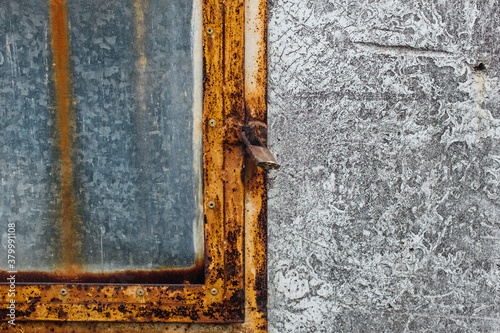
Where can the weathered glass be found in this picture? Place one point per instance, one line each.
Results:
(135, 152)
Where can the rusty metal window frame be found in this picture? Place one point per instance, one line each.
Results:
(234, 199)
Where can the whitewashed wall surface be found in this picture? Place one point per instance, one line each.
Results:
(385, 215)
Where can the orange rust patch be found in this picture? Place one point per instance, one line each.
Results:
(65, 114)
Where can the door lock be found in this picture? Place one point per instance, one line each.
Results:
(258, 152)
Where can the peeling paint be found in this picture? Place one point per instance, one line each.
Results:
(384, 215)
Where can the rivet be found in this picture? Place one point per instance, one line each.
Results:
(212, 122)
(211, 205)
(214, 291)
(63, 292)
(140, 292)
(210, 30)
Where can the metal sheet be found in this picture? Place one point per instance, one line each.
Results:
(234, 288)
(131, 188)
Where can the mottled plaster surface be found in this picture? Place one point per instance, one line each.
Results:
(385, 215)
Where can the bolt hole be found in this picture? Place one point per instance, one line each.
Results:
(480, 67)
(211, 205)
(210, 30)
(212, 122)
(140, 292)
(214, 291)
(63, 292)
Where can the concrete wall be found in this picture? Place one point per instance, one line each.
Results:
(385, 215)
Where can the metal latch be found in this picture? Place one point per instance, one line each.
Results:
(261, 155)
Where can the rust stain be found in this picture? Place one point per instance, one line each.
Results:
(140, 32)
(192, 275)
(143, 124)
(65, 114)
(139, 12)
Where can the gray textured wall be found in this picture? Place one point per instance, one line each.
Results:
(385, 214)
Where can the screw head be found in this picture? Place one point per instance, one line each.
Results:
(140, 292)
(211, 205)
(214, 291)
(210, 30)
(212, 122)
(63, 292)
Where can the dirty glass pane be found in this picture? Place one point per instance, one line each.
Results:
(124, 191)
